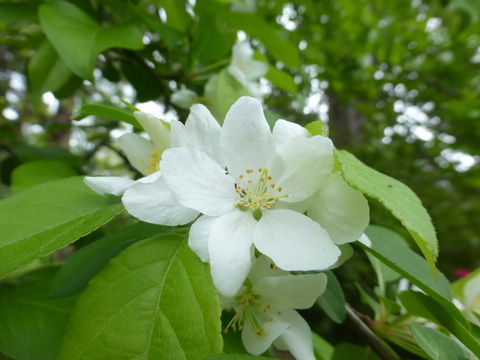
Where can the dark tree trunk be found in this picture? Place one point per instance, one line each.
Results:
(345, 123)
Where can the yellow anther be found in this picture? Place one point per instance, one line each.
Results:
(241, 176)
(260, 170)
(249, 171)
(272, 186)
(269, 178)
(279, 189)
(249, 181)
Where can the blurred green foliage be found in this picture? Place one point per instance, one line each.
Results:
(398, 83)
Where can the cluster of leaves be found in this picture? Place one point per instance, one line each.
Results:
(133, 290)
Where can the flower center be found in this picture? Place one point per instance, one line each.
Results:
(257, 191)
(249, 308)
(153, 164)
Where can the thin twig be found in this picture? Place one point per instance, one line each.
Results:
(379, 346)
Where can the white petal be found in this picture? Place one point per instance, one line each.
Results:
(256, 343)
(285, 130)
(255, 69)
(150, 178)
(262, 267)
(246, 141)
(153, 203)
(177, 134)
(364, 239)
(238, 74)
(229, 247)
(294, 241)
(199, 234)
(158, 130)
(138, 151)
(291, 291)
(305, 164)
(340, 209)
(297, 338)
(197, 181)
(113, 185)
(202, 132)
(184, 98)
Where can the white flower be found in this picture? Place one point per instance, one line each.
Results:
(145, 155)
(185, 98)
(265, 309)
(337, 207)
(152, 201)
(249, 189)
(245, 69)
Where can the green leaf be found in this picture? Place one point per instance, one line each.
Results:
(78, 39)
(281, 79)
(17, 10)
(458, 287)
(332, 300)
(46, 72)
(392, 250)
(395, 196)
(322, 349)
(384, 273)
(107, 112)
(210, 42)
(47, 217)
(418, 304)
(317, 127)
(33, 324)
(38, 172)
(236, 357)
(257, 28)
(346, 351)
(155, 298)
(143, 80)
(221, 92)
(177, 16)
(437, 345)
(84, 264)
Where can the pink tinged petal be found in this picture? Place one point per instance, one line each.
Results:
(285, 130)
(257, 343)
(246, 141)
(138, 151)
(291, 291)
(230, 250)
(113, 185)
(197, 181)
(294, 241)
(202, 132)
(297, 338)
(153, 203)
(340, 209)
(199, 234)
(305, 162)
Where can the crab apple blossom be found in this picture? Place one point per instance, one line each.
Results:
(265, 309)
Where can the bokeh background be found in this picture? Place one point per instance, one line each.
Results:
(397, 82)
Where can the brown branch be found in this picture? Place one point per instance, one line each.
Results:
(377, 345)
